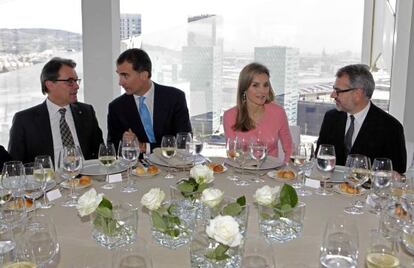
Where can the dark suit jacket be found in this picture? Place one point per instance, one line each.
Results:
(381, 135)
(4, 157)
(170, 115)
(31, 133)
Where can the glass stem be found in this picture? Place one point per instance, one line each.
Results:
(45, 201)
(72, 188)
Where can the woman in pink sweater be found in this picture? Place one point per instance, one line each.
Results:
(256, 115)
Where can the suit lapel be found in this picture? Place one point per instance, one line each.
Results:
(159, 114)
(134, 119)
(364, 133)
(77, 115)
(42, 122)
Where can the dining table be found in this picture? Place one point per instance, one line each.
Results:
(78, 248)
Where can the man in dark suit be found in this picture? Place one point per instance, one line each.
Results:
(373, 132)
(147, 110)
(59, 121)
(4, 157)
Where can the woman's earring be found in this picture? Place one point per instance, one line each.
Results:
(244, 97)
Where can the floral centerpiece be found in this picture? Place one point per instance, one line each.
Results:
(280, 213)
(173, 222)
(114, 226)
(222, 245)
(200, 177)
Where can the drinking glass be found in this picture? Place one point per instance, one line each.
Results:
(168, 150)
(69, 165)
(381, 181)
(107, 157)
(301, 158)
(382, 252)
(257, 253)
(326, 160)
(184, 141)
(129, 151)
(258, 152)
(44, 173)
(136, 255)
(33, 186)
(41, 235)
(198, 147)
(357, 173)
(13, 178)
(232, 154)
(340, 244)
(242, 152)
(15, 251)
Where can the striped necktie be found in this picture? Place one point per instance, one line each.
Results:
(67, 138)
(348, 135)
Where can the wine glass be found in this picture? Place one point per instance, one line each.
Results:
(41, 235)
(107, 157)
(70, 164)
(135, 255)
(302, 158)
(340, 244)
(232, 155)
(168, 150)
(358, 172)
(381, 180)
(198, 145)
(258, 152)
(44, 173)
(242, 151)
(326, 164)
(382, 252)
(129, 151)
(33, 186)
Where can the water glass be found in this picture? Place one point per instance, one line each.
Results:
(184, 141)
(258, 152)
(118, 229)
(302, 159)
(15, 251)
(70, 164)
(33, 186)
(242, 153)
(168, 150)
(382, 175)
(257, 253)
(326, 160)
(107, 157)
(280, 226)
(340, 244)
(13, 178)
(231, 155)
(44, 172)
(186, 212)
(382, 252)
(129, 150)
(135, 255)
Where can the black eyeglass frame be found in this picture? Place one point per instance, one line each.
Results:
(339, 91)
(69, 81)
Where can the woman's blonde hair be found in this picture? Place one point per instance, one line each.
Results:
(243, 121)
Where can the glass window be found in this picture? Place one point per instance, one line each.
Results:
(201, 46)
(31, 33)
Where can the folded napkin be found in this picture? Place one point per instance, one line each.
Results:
(180, 159)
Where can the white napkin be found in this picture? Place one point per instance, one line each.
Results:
(180, 159)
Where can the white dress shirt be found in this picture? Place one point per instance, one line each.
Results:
(54, 117)
(358, 121)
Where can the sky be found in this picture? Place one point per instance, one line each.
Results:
(308, 24)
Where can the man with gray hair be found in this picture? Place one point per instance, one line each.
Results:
(357, 126)
(59, 121)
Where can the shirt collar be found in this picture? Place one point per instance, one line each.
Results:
(149, 94)
(53, 108)
(360, 116)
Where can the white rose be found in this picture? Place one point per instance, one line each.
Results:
(88, 202)
(225, 230)
(266, 195)
(202, 174)
(211, 197)
(153, 199)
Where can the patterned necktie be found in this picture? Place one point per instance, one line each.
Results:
(146, 119)
(348, 135)
(67, 139)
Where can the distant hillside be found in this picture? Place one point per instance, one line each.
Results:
(20, 41)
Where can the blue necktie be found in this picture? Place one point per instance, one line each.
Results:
(146, 119)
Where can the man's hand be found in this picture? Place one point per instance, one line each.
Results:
(130, 135)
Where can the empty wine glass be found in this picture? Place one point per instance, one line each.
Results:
(340, 244)
(184, 141)
(304, 151)
(381, 181)
(357, 173)
(107, 157)
(231, 154)
(168, 150)
(70, 164)
(44, 173)
(13, 178)
(258, 152)
(129, 151)
(326, 160)
(33, 186)
(197, 145)
(242, 152)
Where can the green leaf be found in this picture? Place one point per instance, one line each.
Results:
(202, 187)
(105, 203)
(232, 209)
(265, 216)
(104, 212)
(288, 196)
(173, 232)
(158, 222)
(241, 201)
(219, 253)
(171, 220)
(186, 187)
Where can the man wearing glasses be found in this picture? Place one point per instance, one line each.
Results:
(359, 126)
(59, 121)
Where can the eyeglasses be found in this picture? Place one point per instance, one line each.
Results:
(339, 91)
(69, 81)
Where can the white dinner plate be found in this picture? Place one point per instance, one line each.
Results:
(93, 167)
(270, 163)
(158, 160)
